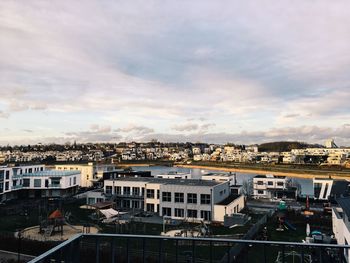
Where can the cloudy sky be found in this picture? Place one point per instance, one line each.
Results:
(214, 71)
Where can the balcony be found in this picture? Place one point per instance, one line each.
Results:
(15, 187)
(139, 248)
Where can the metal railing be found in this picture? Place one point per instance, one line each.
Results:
(141, 248)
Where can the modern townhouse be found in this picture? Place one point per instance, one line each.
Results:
(34, 181)
(188, 199)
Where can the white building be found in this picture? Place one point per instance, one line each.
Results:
(193, 200)
(89, 172)
(35, 181)
(341, 224)
(273, 187)
(326, 188)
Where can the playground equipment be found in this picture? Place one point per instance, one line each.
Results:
(281, 216)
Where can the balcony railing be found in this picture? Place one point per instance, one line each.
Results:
(54, 186)
(15, 187)
(140, 248)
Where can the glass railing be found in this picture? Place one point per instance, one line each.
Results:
(140, 248)
(54, 186)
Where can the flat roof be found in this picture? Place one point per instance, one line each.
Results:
(228, 200)
(50, 173)
(189, 182)
(269, 176)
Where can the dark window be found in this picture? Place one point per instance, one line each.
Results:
(280, 183)
(136, 191)
(150, 207)
(150, 193)
(206, 215)
(179, 197)
(37, 182)
(192, 213)
(126, 190)
(269, 183)
(135, 204)
(192, 198)
(108, 189)
(7, 186)
(260, 192)
(179, 212)
(7, 174)
(166, 211)
(205, 199)
(118, 190)
(166, 196)
(157, 194)
(260, 182)
(26, 182)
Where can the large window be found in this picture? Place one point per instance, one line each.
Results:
(269, 183)
(280, 183)
(260, 182)
(7, 175)
(260, 192)
(166, 196)
(26, 182)
(135, 204)
(126, 190)
(192, 213)
(136, 191)
(108, 189)
(150, 207)
(206, 215)
(179, 212)
(205, 199)
(118, 190)
(179, 197)
(192, 198)
(166, 211)
(37, 182)
(150, 193)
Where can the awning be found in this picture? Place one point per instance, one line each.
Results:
(109, 213)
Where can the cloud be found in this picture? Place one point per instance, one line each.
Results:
(136, 130)
(185, 127)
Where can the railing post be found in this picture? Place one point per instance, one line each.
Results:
(143, 250)
(211, 251)
(228, 252)
(160, 250)
(97, 249)
(283, 251)
(193, 251)
(265, 254)
(127, 250)
(302, 254)
(113, 250)
(176, 250)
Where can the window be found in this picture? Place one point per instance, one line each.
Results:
(74, 180)
(135, 204)
(260, 192)
(206, 215)
(192, 198)
(269, 183)
(179, 212)
(280, 183)
(166, 196)
(126, 203)
(136, 191)
(46, 183)
(37, 182)
(157, 194)
(26, 182)
(150, 207)
(260, 182)
(118, 190)
(205, 199)
(108, 189)
(179, 197)
(150, 193)
(166, 211)
(192, 213)
(126, 190)
(7, 175)
(7, 186)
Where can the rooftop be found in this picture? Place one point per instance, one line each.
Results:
(344, 203)
(229, 200)
(269, 176)
(50, 173)
(189, 182)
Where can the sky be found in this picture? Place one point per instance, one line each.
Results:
(203, 71)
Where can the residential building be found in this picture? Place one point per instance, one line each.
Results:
(35, 181)
(191, 199)
(89, 172)
(273, 187)
(329, 189)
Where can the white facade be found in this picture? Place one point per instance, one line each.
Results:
(89, 172)
(36, 181)
(263, 185)
(341, 229)
(193, 200)
(322, 188)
